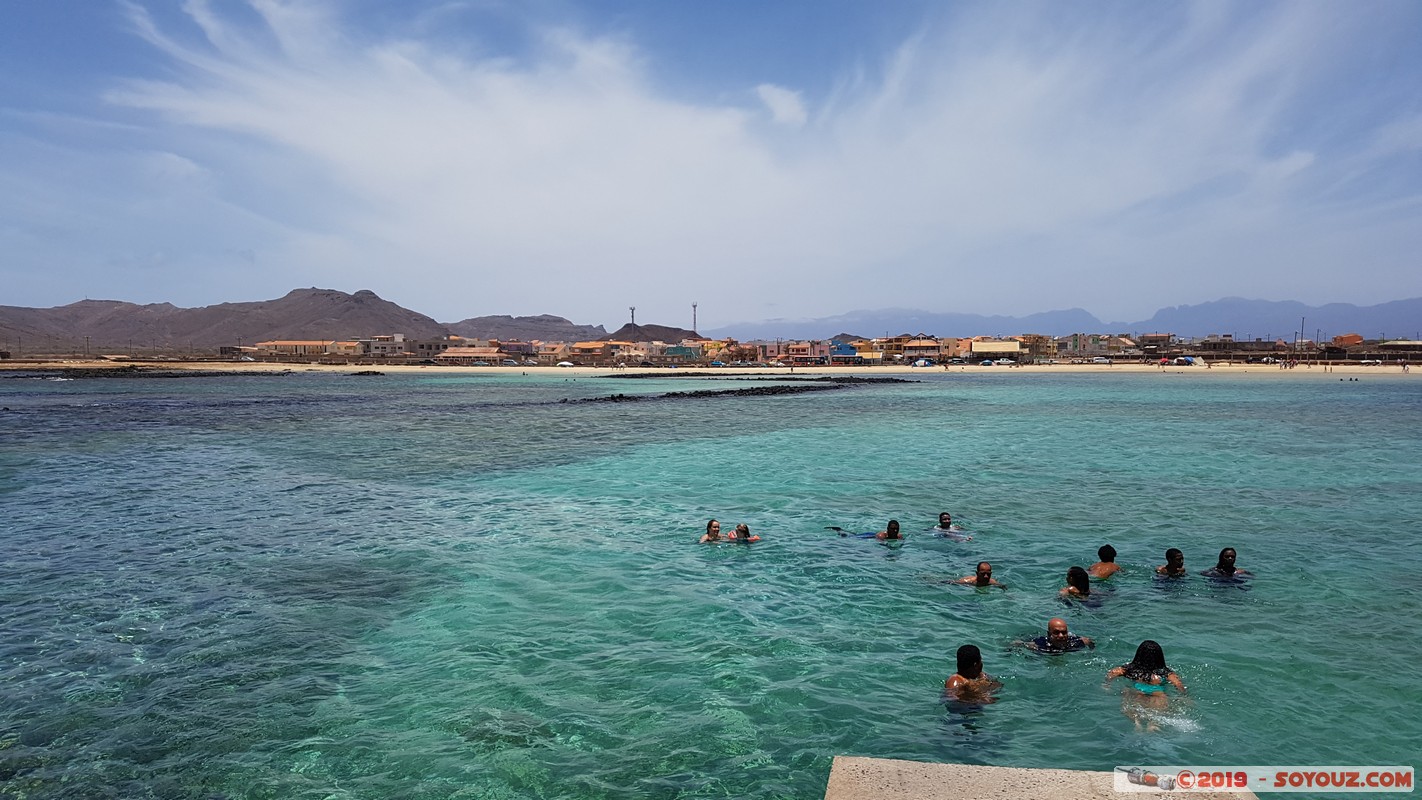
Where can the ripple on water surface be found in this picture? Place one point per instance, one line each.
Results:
(463, 588)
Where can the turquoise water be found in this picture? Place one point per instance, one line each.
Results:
(456, 587)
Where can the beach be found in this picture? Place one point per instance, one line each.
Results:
(1231, 368)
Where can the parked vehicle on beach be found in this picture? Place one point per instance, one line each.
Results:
(1101, 360)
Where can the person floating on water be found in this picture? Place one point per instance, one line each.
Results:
(1107, 566)
(891, 531)
(1059, 639)
(713, 532)
(970, 683)
(1078, 585)
(1225, 568)
(1174, 566)
(982, 578)
(947, 530)
(1149, 675)
(742, 534)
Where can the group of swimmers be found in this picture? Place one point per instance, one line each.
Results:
(1148, 672)
(741, 534)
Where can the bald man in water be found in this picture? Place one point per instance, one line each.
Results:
(1059, 639)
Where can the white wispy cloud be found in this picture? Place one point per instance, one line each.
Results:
(785, 105)
(1005, 162)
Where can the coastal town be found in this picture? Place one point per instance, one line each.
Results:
(906, 349)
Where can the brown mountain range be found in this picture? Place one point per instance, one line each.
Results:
(544, 326)
(99, 326)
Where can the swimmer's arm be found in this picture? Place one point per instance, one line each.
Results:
(998, 585)
(1175, 681)
(1114, 673)
(1089, 642)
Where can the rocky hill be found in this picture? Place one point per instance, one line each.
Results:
(544, 327)
(649, 333)
(115, 326)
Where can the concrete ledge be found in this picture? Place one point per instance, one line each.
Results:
(857, 778)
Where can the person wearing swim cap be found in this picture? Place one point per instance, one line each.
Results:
(1059, 639)
(1107, 566)
(970, 683)
(713, 532)
(1225, 568)
(1174, 566)
(1149, 675)
(982, 578)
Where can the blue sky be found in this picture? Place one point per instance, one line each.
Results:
(765, 160)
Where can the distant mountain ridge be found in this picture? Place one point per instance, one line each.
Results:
(545, 327)
(116, 326)
(632, 332)
(1233, 315)
(113, 325)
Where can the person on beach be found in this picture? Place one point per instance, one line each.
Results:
(1059, 639)
(1078, 585)
(1225, 567)
(1107, 566)
(982, 578)
(970, 683)
(947, 530)
(742, 534)
(1148, 674)
(713, 532)
(1174, 566)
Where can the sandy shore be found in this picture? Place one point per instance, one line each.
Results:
(1260, 370)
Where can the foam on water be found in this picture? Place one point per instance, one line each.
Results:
(458, 587)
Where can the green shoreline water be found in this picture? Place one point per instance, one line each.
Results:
(456, 587)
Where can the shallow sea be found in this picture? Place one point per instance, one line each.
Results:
(325, 586)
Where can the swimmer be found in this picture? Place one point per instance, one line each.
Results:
(982, 578)
(891, 531)
(1174, 566)
(1059, 639)
(970, 683)
(1148, 674)
(742, 534)
(1078, 585)
(1107, 566)
(713, 532)
(947, 530)
(1225, 568)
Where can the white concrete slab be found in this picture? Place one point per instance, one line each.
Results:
(858, 778)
